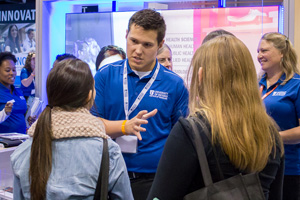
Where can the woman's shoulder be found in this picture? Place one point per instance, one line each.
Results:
(8, 42)
(24, 70)
(198, 120)
(296, 77)
(21, 154)
(87, 144)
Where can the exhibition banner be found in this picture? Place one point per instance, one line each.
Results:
(17, 32)
(185, 32)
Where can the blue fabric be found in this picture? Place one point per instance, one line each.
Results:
(16, 121)
(168, 94)
(283, 105)
(26, 90)
(75, 169)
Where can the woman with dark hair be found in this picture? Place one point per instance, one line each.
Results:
(12, 103)
(62, 159)
(12, 43)
(27, 76)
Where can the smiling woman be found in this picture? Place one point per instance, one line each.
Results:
(280, 90)
(12, 43)
(12, 115)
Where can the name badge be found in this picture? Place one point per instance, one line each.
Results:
(127, 143)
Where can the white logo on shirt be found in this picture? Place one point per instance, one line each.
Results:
(282, 93)
(159, 94)
(22, 98)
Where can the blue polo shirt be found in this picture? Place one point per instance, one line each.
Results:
(283, 105)
(16, 121)
(168, 94)
(27, 91)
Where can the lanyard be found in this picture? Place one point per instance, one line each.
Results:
(140, 96)
(268, 93)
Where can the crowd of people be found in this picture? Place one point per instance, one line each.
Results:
(137, 104)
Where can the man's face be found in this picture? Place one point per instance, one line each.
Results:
(31, 35)
(142, 48)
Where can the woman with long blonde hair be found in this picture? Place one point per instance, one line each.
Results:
(224, 96)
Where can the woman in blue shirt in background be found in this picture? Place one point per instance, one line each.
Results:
(27, 76)
(10, 96)
(280, 88)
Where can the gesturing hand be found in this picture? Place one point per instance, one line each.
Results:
(133, 126)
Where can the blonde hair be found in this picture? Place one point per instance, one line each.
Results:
(229, 98)
(289, 63)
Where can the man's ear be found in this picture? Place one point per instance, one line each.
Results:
(161, 44)
(200, 71)
(126, 34)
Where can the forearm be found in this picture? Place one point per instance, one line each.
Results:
(26, 82)
(113, 128)
(3, 116)
(291, 136)
(128, 127)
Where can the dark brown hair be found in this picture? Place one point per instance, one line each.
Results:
(28, 61)
(149, 19)
(7, 56)
(214, 34)
(17, 41)
(68, 86)
(107, 51)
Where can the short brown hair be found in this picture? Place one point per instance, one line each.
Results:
(149, 19)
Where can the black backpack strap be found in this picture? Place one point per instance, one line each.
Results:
(208, 135)
(102, 184)
(197, 141)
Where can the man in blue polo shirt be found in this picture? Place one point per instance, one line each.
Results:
(140, 83)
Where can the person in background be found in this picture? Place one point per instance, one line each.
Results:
(214, 34)
(126, 87)
(29, 42)
(12, 42)
(164, 56)
(94, 49)
(221, 71)
(280, 90)
(62, 158)
(109, 54)
(12, 100)
(28, 76)
(64, 56)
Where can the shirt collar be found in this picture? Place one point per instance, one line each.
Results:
(263, 80)
(5, 93)
(159, 77)
(5, 88)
